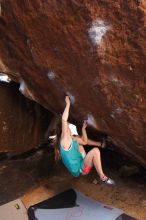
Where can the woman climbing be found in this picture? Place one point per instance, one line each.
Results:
(72, 151)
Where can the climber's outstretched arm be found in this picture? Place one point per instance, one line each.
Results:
(93, 143)
(65, 135)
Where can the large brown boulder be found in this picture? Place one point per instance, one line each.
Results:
(93, 51)
(22, 122)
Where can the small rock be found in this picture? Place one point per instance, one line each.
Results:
(130, 68)
(95, 181)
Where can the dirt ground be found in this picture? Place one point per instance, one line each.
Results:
(16, 181)
(127, 195)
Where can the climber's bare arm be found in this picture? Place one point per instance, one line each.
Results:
(84, 133)
(65, 136)
(80, 140)
(89, 141)
(93, 143)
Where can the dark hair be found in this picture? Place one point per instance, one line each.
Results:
(55, 128)
(58, 131)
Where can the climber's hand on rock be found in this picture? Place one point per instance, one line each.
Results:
(84, 124)
(67, 100)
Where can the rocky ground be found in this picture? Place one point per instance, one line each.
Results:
(18, 180)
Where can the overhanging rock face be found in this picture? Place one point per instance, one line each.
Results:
(93, 51)
(22, 122)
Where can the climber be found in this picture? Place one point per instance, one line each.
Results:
(72, 151)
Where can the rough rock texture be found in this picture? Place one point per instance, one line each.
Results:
(93, 51)
(22, 122)
(25, 173)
